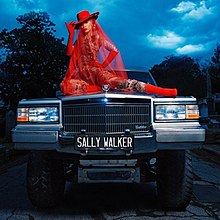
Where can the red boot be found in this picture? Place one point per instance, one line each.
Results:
(160, 91)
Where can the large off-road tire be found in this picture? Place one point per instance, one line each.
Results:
(174, 179)
(45, 180)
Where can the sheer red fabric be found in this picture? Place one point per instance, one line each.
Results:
(93, 63)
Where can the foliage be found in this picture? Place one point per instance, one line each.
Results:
(181, 72)
(34, 61)
(214, 70)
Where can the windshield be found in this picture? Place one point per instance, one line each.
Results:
(141, 76)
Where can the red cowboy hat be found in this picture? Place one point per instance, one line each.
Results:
(84, 16)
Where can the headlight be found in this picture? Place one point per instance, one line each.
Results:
(38, 114)
(176, 112)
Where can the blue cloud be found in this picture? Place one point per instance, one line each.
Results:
(189, 49)
(168, 39)
(191, 11)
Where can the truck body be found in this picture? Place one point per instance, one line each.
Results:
(110, 136)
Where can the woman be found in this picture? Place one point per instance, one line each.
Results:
(94, 59)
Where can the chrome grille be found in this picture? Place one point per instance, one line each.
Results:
(106, 118)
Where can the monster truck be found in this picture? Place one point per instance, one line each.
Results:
(110, 136)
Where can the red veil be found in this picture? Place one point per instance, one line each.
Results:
(85, 72)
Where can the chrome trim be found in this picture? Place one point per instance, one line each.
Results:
(38, 127)
(34, 136)
(39, 101)
(171, 135)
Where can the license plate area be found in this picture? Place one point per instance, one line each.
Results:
(100, 142)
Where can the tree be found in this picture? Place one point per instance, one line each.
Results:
(214, 70)
(35, 61)
(181, 72)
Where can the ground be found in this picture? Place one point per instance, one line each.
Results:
(112, 201)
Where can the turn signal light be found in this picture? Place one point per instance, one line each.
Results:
(192, 112)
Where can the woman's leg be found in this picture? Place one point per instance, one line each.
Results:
(135, 85)
(161, 91)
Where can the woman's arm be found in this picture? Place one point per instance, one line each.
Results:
(70, 27)
(109, 58)
(113, 51)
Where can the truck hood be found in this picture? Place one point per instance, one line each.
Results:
(124, 95)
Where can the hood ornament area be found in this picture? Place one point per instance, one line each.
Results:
(106, 88)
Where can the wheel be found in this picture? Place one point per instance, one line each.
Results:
(45, 180)
(174, 179)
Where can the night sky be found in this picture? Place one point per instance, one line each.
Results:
(145, 31)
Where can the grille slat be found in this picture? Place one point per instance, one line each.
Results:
(106, 118)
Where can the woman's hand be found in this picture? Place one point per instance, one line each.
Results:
(71, 27)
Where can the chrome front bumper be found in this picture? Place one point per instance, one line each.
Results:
(169, 135)
(159, 139)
